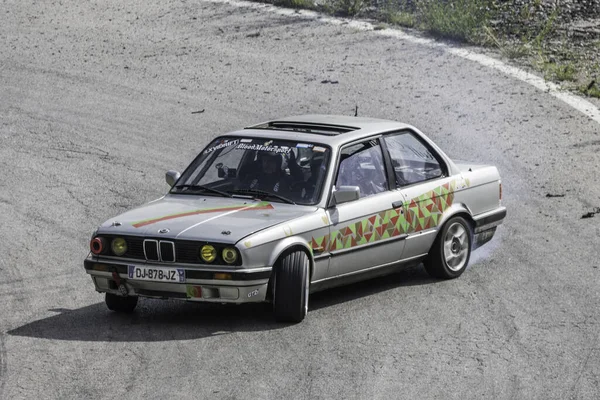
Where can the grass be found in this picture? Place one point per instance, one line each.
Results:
(593, 92)
(592, 89)
(510, 50)
(462, 20)
(559, 72)
(399, 18)
(349, 8)
(301, 4)
(394, 12)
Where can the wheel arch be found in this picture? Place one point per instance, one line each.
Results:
(283, 249)
(434, 265)
(457, 210)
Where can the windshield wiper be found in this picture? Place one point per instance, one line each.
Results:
(203, 188)
(262, 193)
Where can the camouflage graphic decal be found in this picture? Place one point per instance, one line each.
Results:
(420, 213)
(263, 205)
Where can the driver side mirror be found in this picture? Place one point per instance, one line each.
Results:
(345, 194)
(171, 177)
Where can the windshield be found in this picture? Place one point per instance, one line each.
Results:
(280, 170)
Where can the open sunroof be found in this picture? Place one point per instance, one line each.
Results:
(318, 129)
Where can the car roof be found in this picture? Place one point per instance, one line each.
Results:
(332, 130)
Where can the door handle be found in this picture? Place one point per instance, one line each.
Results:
(397, 204)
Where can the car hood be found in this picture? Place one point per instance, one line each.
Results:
(225, 220)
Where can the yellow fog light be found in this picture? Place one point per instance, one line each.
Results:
(208, 253)
(229, 255)
(119, 246)
(222, 275)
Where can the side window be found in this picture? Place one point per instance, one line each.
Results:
(411, 159)
(362, 165)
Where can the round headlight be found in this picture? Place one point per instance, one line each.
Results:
(229, 255)
(118, 246)
(208, 253)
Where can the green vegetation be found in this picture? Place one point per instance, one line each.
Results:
(559, 72)
(400, 18)
(593, 92)
(523, 31)
(592, 89)
(303, 4)
(348, 8)
(394, 12)
(459, 19)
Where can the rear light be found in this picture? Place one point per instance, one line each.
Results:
(500, 194)
(97, 245)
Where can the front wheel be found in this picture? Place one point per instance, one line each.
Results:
(291, 283)
(120, 304)
(449, 256)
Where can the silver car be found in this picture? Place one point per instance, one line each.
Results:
(288, 207)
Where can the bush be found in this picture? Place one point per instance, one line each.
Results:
(349, 8)
(455, 19)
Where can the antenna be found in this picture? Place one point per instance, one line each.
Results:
(356, 111)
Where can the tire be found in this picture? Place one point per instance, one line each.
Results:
(450, 253)
(121, 304)
(290, 288)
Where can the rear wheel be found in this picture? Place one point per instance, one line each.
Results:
(451, 250)
(120, 304)
(290, 287)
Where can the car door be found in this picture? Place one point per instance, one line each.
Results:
(364, 233)
(422, 176)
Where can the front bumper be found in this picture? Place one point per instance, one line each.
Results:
(245, 286)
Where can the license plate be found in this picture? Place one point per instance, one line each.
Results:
(158, 274)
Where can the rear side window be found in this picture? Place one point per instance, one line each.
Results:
(413, 162)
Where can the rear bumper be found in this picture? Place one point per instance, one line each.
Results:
(244, 286)
(489, 220)
(486, 224)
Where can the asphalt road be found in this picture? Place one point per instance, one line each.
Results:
(98, 99)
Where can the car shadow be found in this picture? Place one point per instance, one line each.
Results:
(407, 276)
(153, 320)
(166, 320)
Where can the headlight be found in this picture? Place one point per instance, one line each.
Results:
(208, 253)
(229, 255)
(118, 246)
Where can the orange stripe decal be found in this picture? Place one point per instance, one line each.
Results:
(258, 206)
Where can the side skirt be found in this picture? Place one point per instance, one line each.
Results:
(364, 274)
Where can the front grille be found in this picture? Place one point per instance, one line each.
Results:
(188, 251)
(135, 247)
(151, 250)
(181, 251)
(167, 251)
